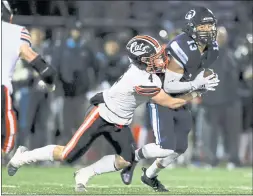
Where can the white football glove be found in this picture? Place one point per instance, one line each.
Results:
(211, 84)
(201, 82)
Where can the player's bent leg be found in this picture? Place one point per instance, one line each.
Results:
(149, 176)
(123, 142)
(152, 150)
(164, 162)
(161, 120)
(148, 151)
(76, 147)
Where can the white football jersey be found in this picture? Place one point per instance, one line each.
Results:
(13, 36)
(133, 88)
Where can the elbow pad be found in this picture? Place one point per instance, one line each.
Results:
(46, 72)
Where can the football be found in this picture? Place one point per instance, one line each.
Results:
(208, 72)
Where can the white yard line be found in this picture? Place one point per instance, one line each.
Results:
(9, 186)
(8, 193)
(242, 187)
(117, 186)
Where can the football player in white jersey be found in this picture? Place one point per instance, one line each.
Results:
(110, 114)
(16, 43)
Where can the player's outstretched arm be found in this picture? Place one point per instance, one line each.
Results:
(166, 100)
(46, 72)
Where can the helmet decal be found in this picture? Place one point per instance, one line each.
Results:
(190, 14)
(138, 49)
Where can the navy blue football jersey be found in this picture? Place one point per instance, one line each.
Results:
(185, 51)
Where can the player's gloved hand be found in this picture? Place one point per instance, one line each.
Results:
(45, 71)
(212, 83)
(208, 87)
(201, 82)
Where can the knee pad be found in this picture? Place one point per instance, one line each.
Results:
(120, 162)
(153, 150)
(169, 159)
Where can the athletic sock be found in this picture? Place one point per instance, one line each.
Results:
(38, 154)
(153, 170)
(104, 165)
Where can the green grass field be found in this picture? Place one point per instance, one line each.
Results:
(179, 180)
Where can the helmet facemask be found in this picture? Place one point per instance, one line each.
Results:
(156, 63)
(206, 33)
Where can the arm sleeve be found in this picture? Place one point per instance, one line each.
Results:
(177, 87)
(25, 37)
(172, 83)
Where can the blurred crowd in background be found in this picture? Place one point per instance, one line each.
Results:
(89, 55)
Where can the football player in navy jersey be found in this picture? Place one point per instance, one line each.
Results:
(189, 52)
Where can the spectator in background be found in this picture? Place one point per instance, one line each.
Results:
(243, 54)
(56, 98)
(33, 99)
(33, 107)
(117, 62)
(22, 82)
(39, 97)
(75, 63)
(222, 108)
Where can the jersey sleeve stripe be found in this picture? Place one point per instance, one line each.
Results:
(27, 41)
(149, 39)
(179, 52)
(25, 33)
(147, 90)
(26, 37)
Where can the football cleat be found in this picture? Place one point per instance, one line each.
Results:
(153, 182)
(16, 162)
(80, 188)
(127, 173)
